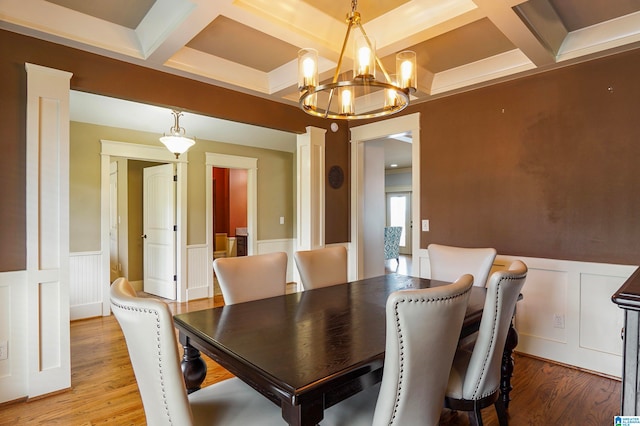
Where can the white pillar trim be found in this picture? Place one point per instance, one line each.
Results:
(48, 342)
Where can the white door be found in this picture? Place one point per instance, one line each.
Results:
(158, 236)
(114, 269)
(399, 214)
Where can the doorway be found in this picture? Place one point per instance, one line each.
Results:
(229, 212)
(250, 166)
(361, 201)
(111, 150)
(398, 209)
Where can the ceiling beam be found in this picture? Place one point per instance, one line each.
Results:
(505, 18)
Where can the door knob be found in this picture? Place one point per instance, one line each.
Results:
(143, 236)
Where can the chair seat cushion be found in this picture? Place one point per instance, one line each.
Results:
(458, 373)
(232, 402)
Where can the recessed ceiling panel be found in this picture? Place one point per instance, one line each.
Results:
(577, 14)
(368, 10)
(469, 43)
(233, 41)
(126, 13)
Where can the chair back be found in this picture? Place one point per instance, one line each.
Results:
(483, 373)
(147, 326)
(417, 360)
(322, 267)
(247, 278)
(392, 236)
(448, 263)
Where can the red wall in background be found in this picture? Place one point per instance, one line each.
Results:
(220, 200)
(237, 200)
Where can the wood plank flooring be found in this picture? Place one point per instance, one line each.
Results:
(104, 390)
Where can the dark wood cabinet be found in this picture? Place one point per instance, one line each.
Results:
(241, 245)
(628, 298)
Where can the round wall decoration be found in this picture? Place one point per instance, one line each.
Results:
(336, 177)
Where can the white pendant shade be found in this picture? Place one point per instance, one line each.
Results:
(177, 144)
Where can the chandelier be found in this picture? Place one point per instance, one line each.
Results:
(176, 141)
(363, 96)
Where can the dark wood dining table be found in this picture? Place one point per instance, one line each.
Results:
(307, 351)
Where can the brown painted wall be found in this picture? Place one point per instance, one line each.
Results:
(544, 166)
(337, 201)
(100, 75)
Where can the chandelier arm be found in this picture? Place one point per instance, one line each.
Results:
(378, 61)
(326, 113)
(344, 46)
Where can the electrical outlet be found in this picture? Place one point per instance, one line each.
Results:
(558, 321)
(4, 353)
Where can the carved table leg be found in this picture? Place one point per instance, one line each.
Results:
(507, 364)
(194, 369)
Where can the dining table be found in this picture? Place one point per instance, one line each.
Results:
(309, 350)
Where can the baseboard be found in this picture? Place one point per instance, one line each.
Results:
(88, 310)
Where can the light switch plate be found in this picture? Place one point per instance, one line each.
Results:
(425, 225)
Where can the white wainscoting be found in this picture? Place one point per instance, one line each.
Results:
(567, 314)
(13, 330)
(286, 245)
(198, 272)
(85, 288)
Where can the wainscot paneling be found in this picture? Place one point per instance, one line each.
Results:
(286, 245)
(85, 288)
(13, 328)
(198, 265)
(567, 314)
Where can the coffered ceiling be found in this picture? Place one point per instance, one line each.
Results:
(251, 45)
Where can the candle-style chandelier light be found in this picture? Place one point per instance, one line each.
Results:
(363, 96)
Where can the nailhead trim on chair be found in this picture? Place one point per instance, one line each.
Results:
(157, 317)
(401, 344)
(493, 335)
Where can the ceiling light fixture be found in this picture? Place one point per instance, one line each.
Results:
(176, 141)
(374, 98)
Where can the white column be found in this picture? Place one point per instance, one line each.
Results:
(310, 196)
(47, 186)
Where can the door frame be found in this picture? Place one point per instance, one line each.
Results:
(149, 153)
(113, 198)
(359, 136)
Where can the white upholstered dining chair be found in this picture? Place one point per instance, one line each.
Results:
(247, 278)
(448, 263)
(474, 381)
(417, 363)
(322, 267)
(148, 329)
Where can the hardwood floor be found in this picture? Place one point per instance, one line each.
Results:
(104, 389)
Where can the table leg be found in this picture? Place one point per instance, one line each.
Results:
(194, 369)
(507, 364)
(309, 414)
